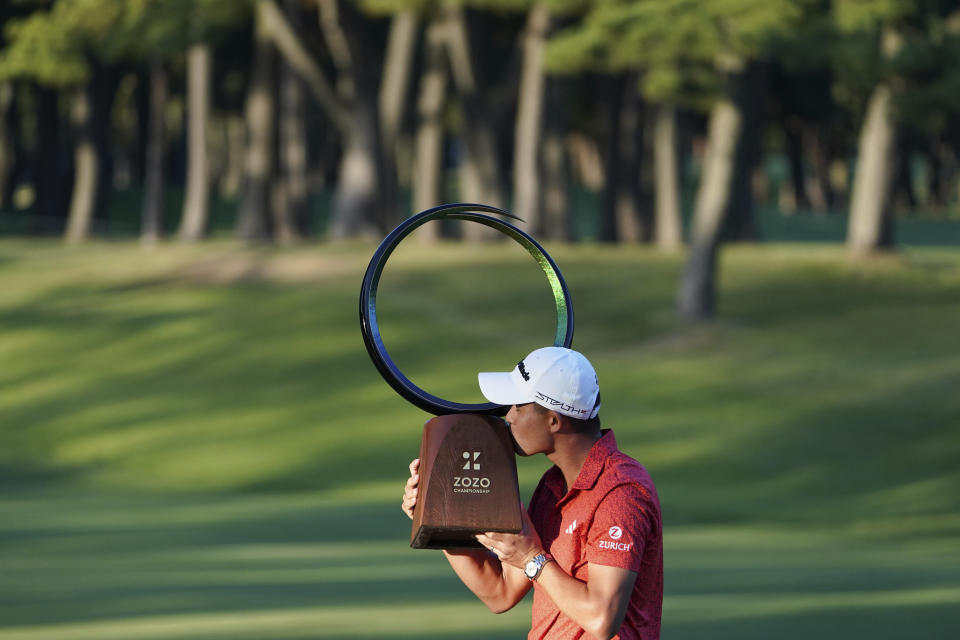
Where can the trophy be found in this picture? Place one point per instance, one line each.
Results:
(468, 473)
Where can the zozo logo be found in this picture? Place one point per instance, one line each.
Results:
(471, 483)
(464, 484)
(471, 464)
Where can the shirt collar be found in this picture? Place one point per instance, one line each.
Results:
(592, 466)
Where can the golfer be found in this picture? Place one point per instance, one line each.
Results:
(591, 545)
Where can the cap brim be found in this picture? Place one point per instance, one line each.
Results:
(499, 388)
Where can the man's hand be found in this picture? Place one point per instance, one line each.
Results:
(410, 490)
(514, 549)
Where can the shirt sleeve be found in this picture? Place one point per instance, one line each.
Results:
(620, 527)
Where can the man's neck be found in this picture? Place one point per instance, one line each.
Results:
(570, 453)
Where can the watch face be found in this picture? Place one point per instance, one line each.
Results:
(530, 569)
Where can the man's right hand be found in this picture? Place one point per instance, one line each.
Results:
(410, 490)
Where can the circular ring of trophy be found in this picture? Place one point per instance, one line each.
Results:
(468, 474)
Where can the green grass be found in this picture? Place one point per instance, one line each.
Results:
(193, 442)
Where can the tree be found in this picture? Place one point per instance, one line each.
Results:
(529, 124)
(49, 47)
(870, 226)
(870, 221)
(7, 155)
(76, 45)
(480, 177)
(428, 156)
(667, 226)
(706, 54)
(696, 297)
(590, 43)
(151, 226)
(253, 222)
(360, 206)
(193, 221)
(910, 78)
(623, 218)
(10, 137)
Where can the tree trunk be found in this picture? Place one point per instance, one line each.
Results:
(668, 225)
(274, 26)
(556, 166)
(748, 90)
(139, 154)
(151, 226)
(587, 161)
(193, 222)
(623, 187)
(870, 223)
(252, 221)
(611, 103)
(798, 180)
(234, 135)
(106, 80)
(526, 162)
(904, 195)
(7, 154)
(942, 173)
(48, 173)
(291, 204)
(822, 196)
(18, 156)
(428, 174)
(359, 207)
(401, 44)
(480, 179)
(696, 294)
(394, 91)
(86, 165)
(934, 174)
(289, 189)
(870, 219)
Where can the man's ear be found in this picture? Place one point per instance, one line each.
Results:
(554, 421)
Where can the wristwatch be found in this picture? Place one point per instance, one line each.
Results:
(535, 565)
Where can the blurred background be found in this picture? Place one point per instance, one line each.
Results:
(755, 203)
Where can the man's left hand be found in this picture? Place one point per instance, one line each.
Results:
(514, 549)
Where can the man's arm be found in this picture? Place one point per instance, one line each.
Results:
(497, 585)
(598, 606)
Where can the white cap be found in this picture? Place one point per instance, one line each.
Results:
(557, 378)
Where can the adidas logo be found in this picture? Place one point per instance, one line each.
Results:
(571, 528)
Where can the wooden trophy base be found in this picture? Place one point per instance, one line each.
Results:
(468, 482)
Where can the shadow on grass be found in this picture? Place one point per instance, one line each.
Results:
(297, 566)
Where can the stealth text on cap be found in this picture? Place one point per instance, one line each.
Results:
(554, 403)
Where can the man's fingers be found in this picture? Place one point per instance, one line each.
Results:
(410, 489)
(408, 504)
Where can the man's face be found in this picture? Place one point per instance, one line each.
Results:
(530, 427)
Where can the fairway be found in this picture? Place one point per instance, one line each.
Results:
(194, 443)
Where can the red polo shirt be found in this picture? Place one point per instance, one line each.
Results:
(610, 517)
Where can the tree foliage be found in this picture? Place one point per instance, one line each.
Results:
(681, 46)
(54, 46)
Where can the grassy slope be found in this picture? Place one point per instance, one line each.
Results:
(805, 445)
